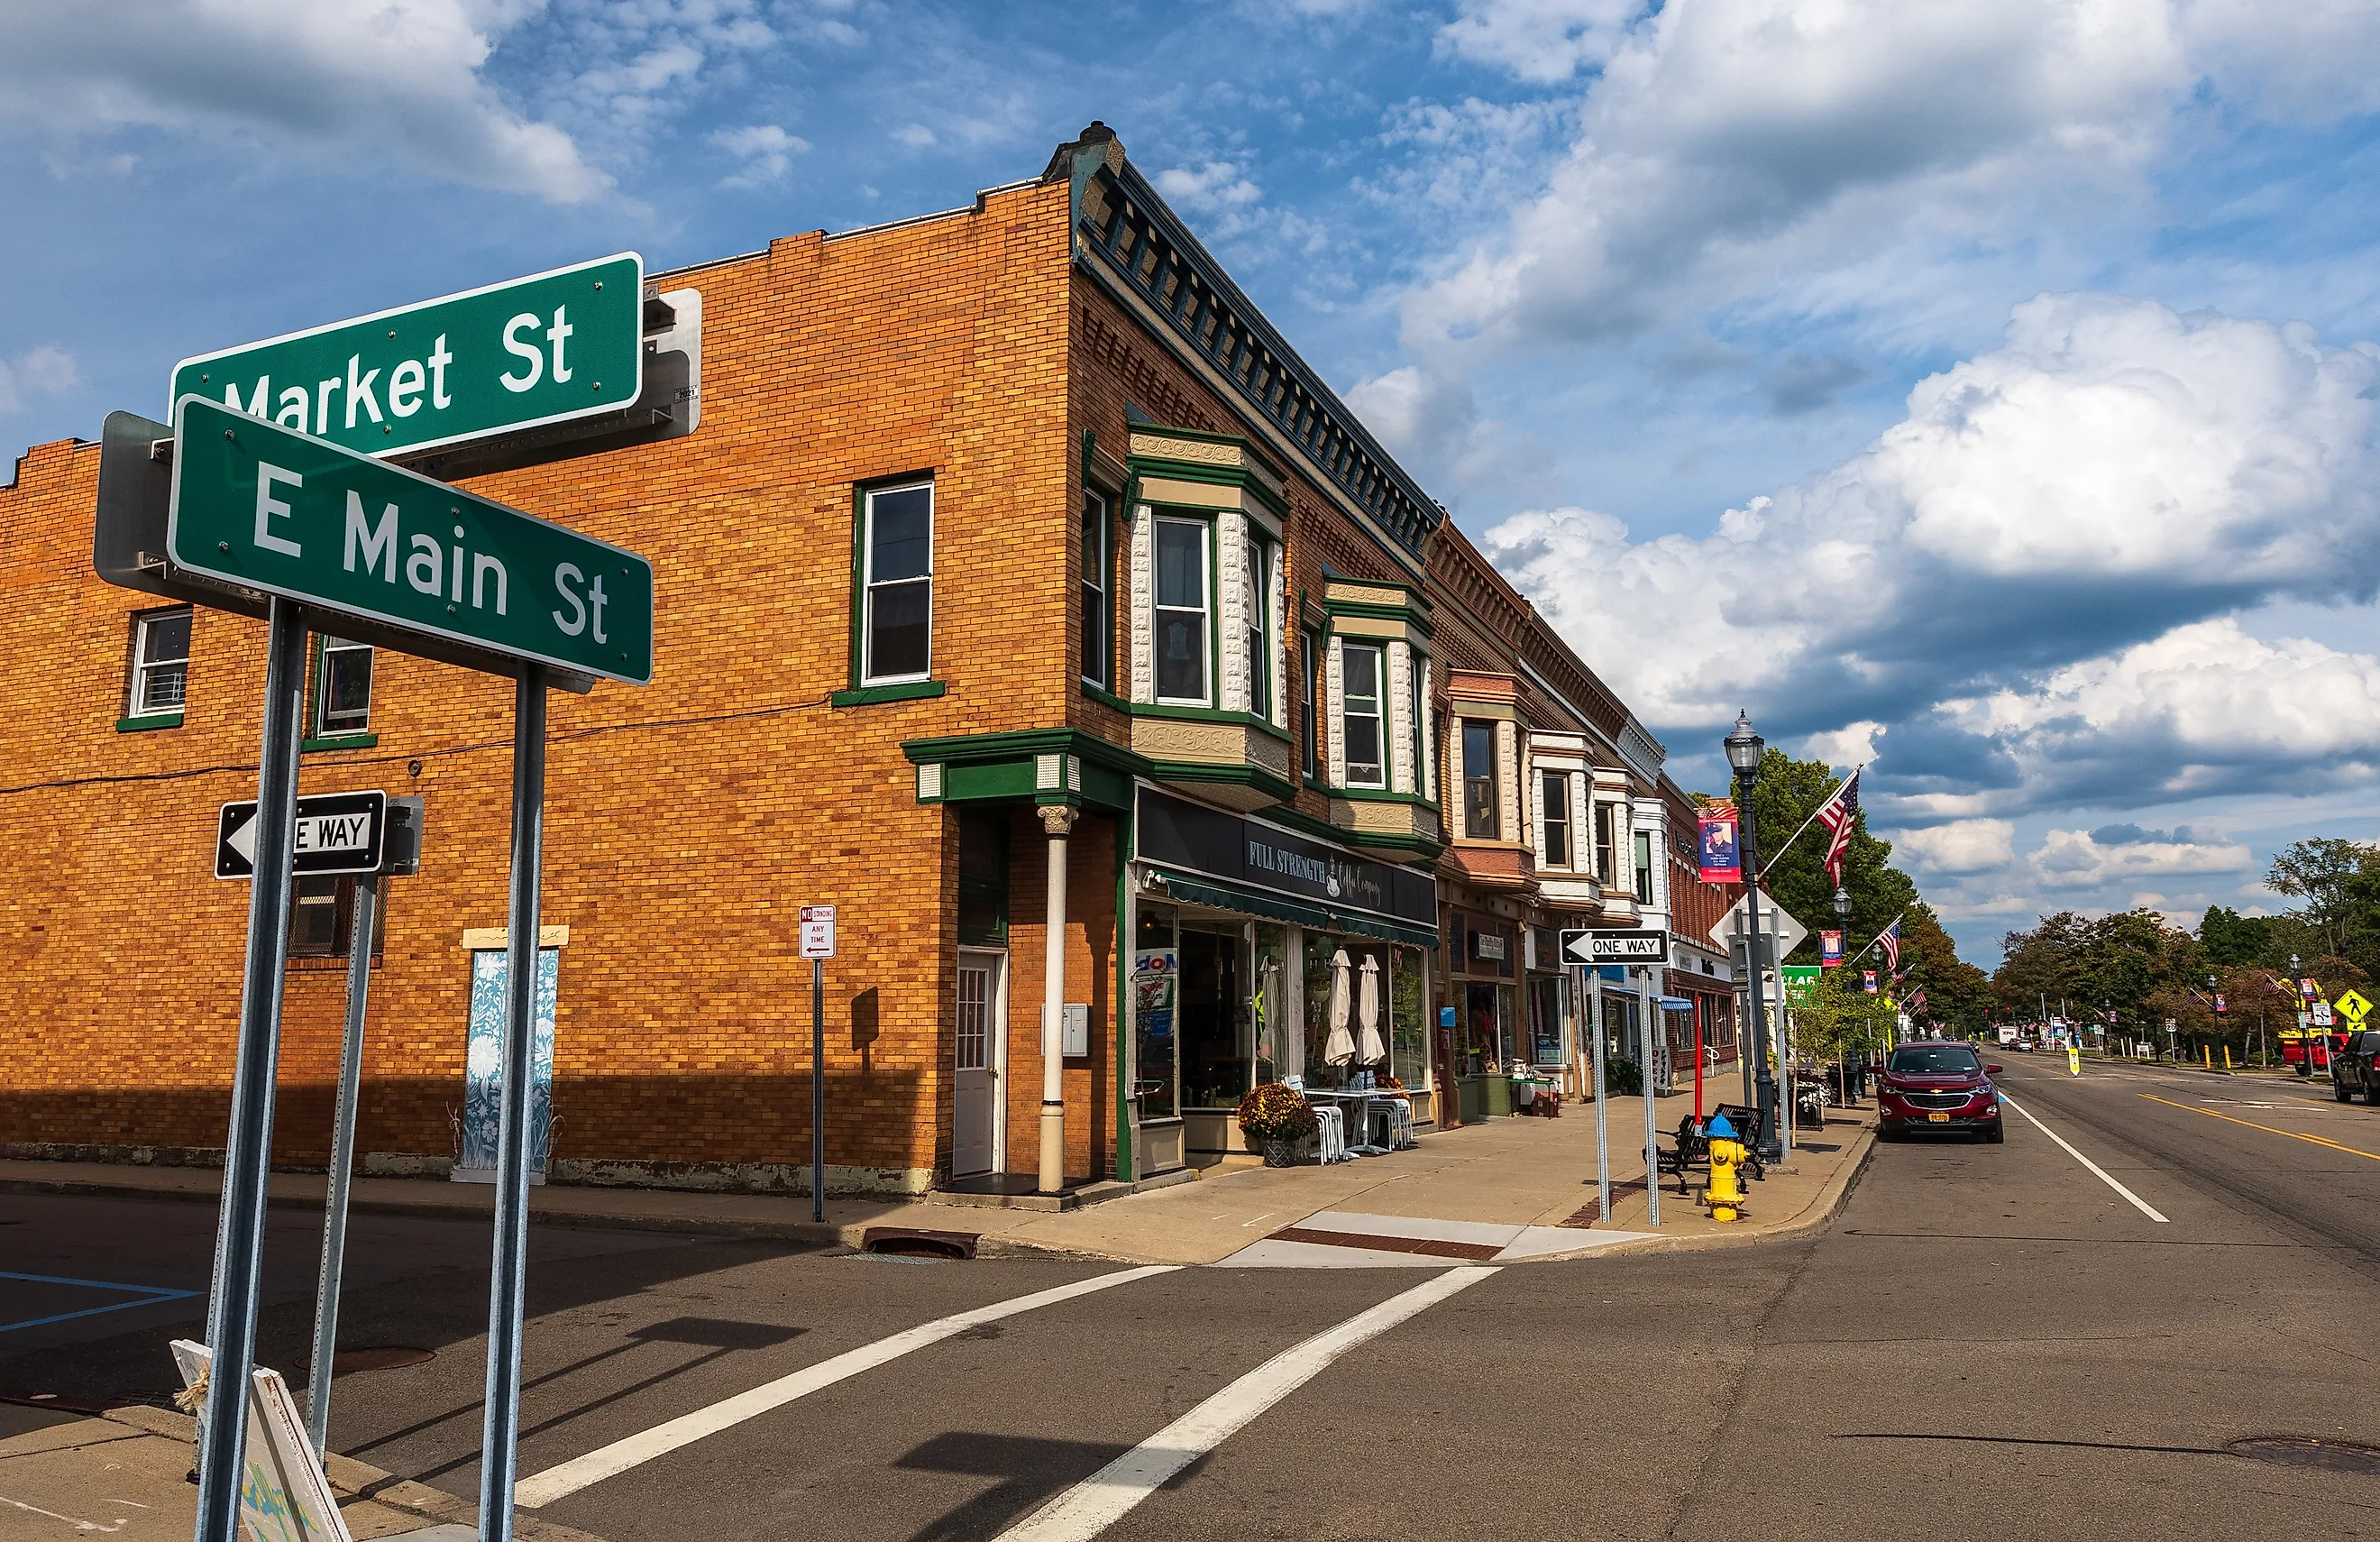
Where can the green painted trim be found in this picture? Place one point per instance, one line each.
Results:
(957, 748)
(338, 741)
(868, 695)
(858, 578)
(1245, 775)
(1424, 852)
(1239, 477)
(1000, 767)
(144, 724)
(1204, 714)
(1381, 794)
(1404, 613)
(1126, 1017)
(1105, 698)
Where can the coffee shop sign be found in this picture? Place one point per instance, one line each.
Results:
(1336, 877)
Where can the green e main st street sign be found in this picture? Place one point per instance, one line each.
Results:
(261, 505)
(542, 349)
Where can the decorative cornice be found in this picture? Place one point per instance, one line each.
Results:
(1121, 219)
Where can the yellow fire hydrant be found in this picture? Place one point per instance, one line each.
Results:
(1724, 1193)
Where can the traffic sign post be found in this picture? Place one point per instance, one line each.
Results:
(259, 507)
(547, 349)
(817, 946)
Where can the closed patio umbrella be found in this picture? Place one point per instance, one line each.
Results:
(1369, 1049)
(1341, 1046)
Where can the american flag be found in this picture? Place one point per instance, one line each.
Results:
(1889, 939)
(1917, 999)
(1838, 814)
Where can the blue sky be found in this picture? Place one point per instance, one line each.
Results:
(1982, 390)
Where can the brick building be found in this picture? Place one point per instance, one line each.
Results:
(1019, 570)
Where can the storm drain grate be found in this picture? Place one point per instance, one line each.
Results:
(2301, 1450)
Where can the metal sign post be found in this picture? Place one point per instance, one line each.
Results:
(499, 1454)
(1652, 1139)
(248, 1148)
(1602, 1112)
(817, 946)
(343, 1153)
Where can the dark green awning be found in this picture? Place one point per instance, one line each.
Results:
(1224, 895)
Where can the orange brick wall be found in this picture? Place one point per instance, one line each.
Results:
(684, 821)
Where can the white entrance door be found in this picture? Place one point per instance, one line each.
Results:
(983, 1036)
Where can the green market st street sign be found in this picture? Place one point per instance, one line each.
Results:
(543, 349)
(265, 508)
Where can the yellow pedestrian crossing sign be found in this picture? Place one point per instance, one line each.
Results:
(2352, 1007)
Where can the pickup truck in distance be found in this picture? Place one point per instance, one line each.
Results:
(2352, 1065)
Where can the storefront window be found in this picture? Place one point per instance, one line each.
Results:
(1156, 964)
(1273, 1046)
(1212, 1016)
(1545, 1021)
(1318, 949)
(1485, 1028)
(1409, 1016)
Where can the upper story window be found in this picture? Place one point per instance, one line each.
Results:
(1256, 611)
(1360, 698)
(1644, 845)
(343, 689)
(898, 547)
(161, 662)
(1184, 605)
(1099, 646)
(1479, 799)
(1313, 659)
(1604, 854)
(1556, 820)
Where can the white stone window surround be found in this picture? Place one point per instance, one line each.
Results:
(1508, 772)
(1334, 688)
(1233, 529)
(1399, 714)
(1427, 731)
(1409, 738)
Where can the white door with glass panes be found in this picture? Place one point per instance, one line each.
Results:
(982, 1037)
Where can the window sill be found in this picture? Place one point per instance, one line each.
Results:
(143, 725)
(868, 695)
(1105, 698)
(1207, 714)
(339, 741)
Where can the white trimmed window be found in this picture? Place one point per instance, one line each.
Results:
(1256, 613)
(161, 662)
(1183, 612)
(1099, 649)
(1554, 821)
(1361, 715)
(343, 689)
(898, 579)
(1481, 803)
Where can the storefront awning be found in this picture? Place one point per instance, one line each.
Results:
(1279, 907)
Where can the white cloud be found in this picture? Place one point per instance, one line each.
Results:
(1217, 186)
(38, 372)
(1725, 142)
(1540, 40)
(916, 136)
(1959, 847)
(2309, 61)
(398, 82)
(765, 149)
(1852, 744)
(2114, 471)
(2078, 859)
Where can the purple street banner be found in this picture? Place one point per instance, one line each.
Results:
(1831, 949)
(2220, 1004)
(1868, 981)
(1720, 862)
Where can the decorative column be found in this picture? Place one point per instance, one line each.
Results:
(1058, 821)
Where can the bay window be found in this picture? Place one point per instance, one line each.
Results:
(1480, 820)
(1098, 634)
(1555, 820)
(1360, 714)
(1183, 610)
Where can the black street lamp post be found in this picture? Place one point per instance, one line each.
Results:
(1743, 748)
(1848, 1070)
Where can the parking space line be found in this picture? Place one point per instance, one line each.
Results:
(1108, 1495)
(2350, 1150)
(569, 1477)
(2103, 1176)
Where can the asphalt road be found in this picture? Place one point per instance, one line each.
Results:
(1991, 1342)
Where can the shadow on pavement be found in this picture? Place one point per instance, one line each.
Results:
(1030, 1469)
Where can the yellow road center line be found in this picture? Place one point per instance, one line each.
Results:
(2294, 1135)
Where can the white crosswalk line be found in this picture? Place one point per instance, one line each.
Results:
(568, 1478)
(1104, 1498)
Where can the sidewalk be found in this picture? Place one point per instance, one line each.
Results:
(120, 1472)
(1510, 1190)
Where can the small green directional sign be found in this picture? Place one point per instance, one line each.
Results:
(542, 349)
(265, 506)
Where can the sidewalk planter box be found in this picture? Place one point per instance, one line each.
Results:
(1483, 1097)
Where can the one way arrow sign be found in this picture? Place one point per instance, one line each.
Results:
(1634, 945)
(337, 833)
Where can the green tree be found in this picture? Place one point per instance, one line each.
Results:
(2321, 872)
(1788, 792)
(2230, 938)
(1957, 993)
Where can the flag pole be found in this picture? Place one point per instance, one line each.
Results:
(1877, 937)
(1812, 819)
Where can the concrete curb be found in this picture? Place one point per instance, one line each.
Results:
(1815, 1217)
(361, 1480)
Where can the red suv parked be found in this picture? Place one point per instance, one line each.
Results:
(1939, 1084)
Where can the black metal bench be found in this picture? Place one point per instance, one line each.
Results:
(1692, 1144)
